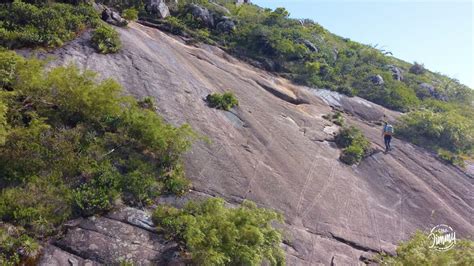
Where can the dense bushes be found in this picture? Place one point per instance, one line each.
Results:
(222, 101)
(355, 145)
(72, 145)
(451, 129)
(216, 235)
(106, 40)
(27, 25)
(417, 251)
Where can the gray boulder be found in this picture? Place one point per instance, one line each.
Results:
(112, 17)
(309, 45)
(377, 80)
(430, 90)
(158, 8)
(201, 14)
(226, 25)
(396, 72)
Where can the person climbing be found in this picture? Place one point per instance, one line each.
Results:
(387, 135)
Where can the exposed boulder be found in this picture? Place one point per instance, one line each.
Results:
(241, 2)
(158, 8)
(309, 45)
(226, 25)
(112, 17)
(201, 14)
(172, 4)
(377, 80)
(396, 72)
(428, 90)
(417, 69)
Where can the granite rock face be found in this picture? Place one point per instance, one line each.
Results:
(275, 149)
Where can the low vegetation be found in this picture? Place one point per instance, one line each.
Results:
(417, 251)
(72, 146)
(354, 144)
(224, 101)
(49, 25)
(130, 14)
(335, 117)
(106, 40)
(16, 246)
(444, 127)
(216, 235)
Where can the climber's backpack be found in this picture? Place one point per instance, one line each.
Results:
(388, 130)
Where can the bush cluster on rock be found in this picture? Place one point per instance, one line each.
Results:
(216, 235)
(355, 145)
(106, 40)
(224, 101)
(72, 145)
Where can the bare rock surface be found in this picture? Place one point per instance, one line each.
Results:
(274, 149)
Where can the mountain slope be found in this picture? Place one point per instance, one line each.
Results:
(277, 150)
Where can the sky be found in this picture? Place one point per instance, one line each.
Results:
(437, 33)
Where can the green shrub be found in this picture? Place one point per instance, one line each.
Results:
(451, 158)
(106, 40)
(417, 251)
(345, 90)
(417, 69)
(452, 130)
(130, 14)
(216, 235)
(40, 205)
(224, 101)
(49, 25)
(16, 247)
(98, 193)
(355, 145)
(73, 145)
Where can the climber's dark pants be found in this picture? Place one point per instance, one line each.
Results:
(387, 139)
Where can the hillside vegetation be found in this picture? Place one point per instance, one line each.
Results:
(439, 109)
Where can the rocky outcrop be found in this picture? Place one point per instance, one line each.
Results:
(201, 14)
(377, 80)
(125, 235)
(397, 73)
(309, 45)
(226, 25)
(277, 150)
(158, 8)
(112, 17)
(429, 90)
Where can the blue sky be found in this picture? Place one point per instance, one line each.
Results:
(437, 33)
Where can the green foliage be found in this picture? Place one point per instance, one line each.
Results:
(216, 235)
(452, 130)
(106, 40)
(130, 14)
(224, 101)
(40, 205)
(355, 145)
(451, 158)
(272, 40)
(417, 251)
(16, 247)
(49, 25)
(335, 117)
(73, 145)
